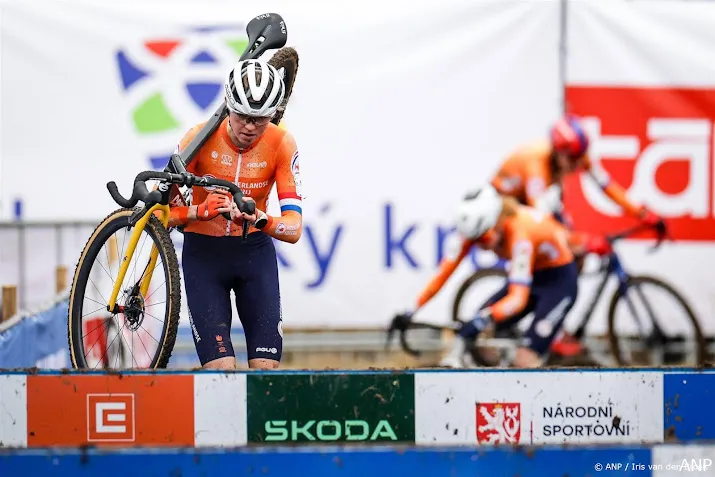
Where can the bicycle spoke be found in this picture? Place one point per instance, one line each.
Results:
(103, 308)
(106, 351)
(104, 305)
(157, 288)
(109, 346)
(100, 293)
(105, 270)
(150, 335)
(102, 323)
(125, 341)
(143, 345)
(157, 319)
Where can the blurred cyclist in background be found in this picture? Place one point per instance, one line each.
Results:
(543, 277)
(533, 174)
(250, 151)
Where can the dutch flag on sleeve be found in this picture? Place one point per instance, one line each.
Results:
(290, 201)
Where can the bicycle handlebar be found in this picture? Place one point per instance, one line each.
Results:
(141, 193)
(660, 229)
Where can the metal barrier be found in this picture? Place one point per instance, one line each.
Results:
(58, 243)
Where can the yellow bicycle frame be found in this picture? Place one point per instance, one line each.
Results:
(133, 241)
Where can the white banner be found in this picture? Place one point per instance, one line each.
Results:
(525, 408)
(642, 74)
(399, 107)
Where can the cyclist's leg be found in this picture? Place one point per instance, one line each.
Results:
(258, 302)
(555, 290)
(208, 300)
(469, 331)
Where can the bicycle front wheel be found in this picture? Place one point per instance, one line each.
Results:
(651, 324)
(492, 347)
(489, 281)
(137, 336)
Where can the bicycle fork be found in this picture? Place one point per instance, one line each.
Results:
(153, 256)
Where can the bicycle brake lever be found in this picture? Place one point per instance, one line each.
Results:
(249, 208)
(663, 235)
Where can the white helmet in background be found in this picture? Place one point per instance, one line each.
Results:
(254, 88)
(478, 212)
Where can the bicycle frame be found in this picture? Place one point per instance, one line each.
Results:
(145, 215)
(612, 266)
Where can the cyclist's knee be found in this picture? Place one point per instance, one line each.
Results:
(227, 362)
(212, 338)
(262, 363)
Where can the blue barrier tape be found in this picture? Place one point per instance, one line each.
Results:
(347, 462)
(36, 337)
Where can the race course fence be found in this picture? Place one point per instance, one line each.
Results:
(633, 422)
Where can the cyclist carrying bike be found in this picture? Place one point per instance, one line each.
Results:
(542, 276)
(250, 151)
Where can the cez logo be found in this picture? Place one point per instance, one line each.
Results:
(656, 143)
(110, 418)
(172, 83)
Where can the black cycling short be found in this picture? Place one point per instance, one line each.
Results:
(213, 266)
(553, 292)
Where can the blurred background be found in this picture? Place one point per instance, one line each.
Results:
(398, 108)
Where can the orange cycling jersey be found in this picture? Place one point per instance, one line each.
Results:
(527, 173)
(531, 240)
(271, 159)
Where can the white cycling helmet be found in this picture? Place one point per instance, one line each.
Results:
(478, 212)
(254, 88)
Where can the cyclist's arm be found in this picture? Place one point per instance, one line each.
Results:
(446, 268)
(612, 189)
(538, 193)
(182, 213)
(520, 277)
(289, 226)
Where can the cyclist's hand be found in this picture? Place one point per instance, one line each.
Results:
(401, 321)
(655, 221)
(239, 217)
(598, 245)
(217, 202)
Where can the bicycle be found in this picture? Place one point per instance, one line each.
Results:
(654, 340)
(132, 302)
